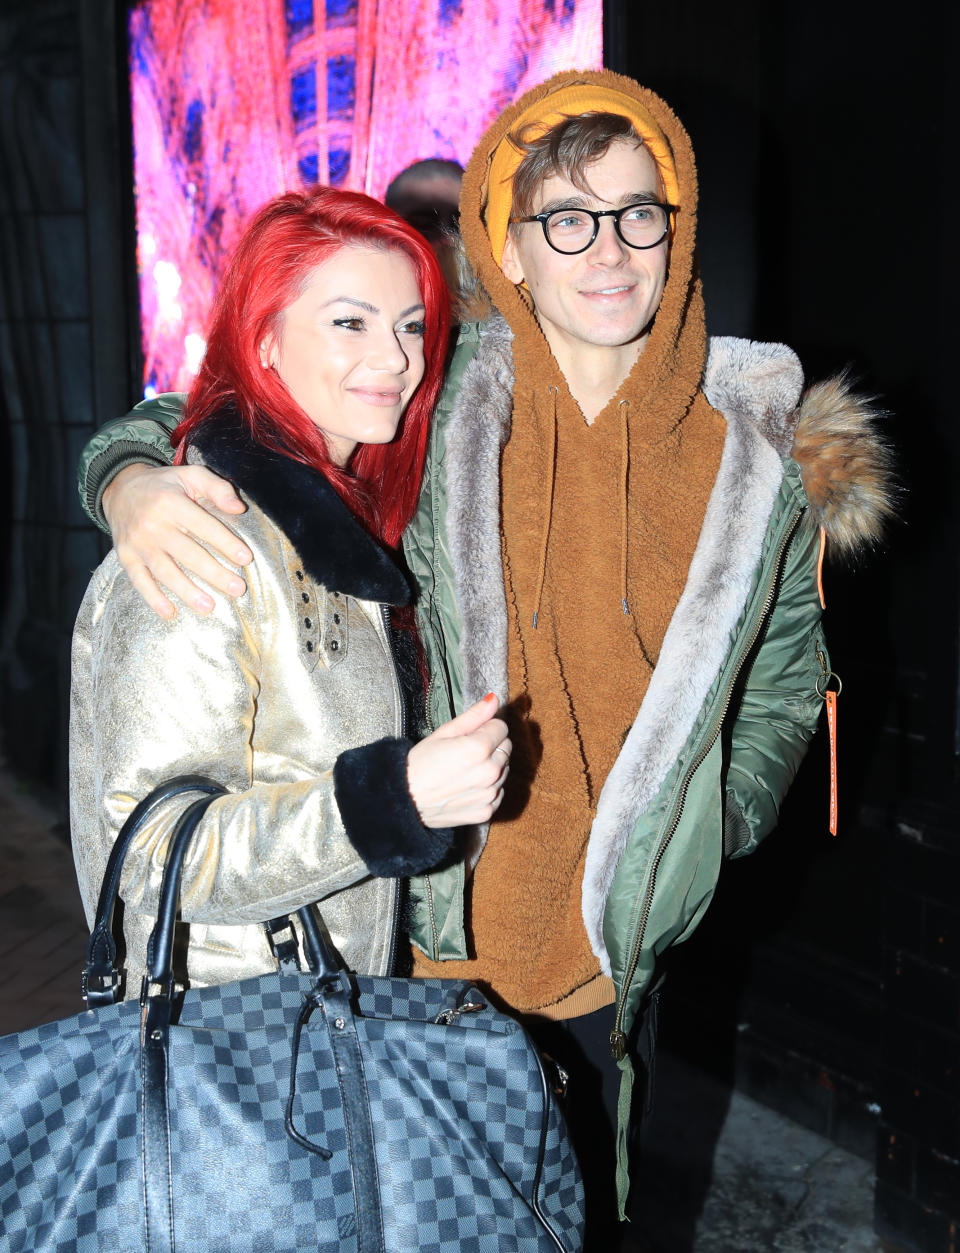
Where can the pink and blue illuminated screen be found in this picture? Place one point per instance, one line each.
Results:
(234, 103)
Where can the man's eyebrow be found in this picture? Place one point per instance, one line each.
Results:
(587, 202)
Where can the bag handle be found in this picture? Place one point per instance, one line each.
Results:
(100, 977)
(156, 1168)
(325, 961)
(160, 944)
(323, 957)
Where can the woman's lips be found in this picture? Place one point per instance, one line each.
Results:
(386, 398)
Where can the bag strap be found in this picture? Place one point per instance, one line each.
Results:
(100, 977)
(157, 1172)
(324, 960)
(282, 939)
(157, 1002)
(332, 999)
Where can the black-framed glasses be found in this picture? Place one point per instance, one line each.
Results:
(642, 225)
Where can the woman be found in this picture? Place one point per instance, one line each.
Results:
(323, 362)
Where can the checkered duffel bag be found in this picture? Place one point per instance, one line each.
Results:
(294, 1111)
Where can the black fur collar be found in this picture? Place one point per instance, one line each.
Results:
(335, 549)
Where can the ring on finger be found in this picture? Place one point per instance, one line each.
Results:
(506, 755)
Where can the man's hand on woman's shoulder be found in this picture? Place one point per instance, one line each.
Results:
(157, 515)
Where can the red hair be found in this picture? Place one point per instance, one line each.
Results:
(284, 243)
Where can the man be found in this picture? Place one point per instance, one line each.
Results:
(612, 537)
(427, 194)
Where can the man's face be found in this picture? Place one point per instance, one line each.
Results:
(605, 297)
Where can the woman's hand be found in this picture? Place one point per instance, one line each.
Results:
(456, 775)
(156, 516)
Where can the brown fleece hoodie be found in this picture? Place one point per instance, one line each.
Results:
(599, 525)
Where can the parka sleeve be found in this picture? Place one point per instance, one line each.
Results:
(159, 699)
(780, 705)
(142, 436)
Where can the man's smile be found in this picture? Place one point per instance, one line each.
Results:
(612, 290)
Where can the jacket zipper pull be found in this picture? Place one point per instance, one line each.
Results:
(830, 697)
(618, 1044)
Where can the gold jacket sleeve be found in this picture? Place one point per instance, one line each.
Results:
(261, 695)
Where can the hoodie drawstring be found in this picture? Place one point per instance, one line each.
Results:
(552, 478)
(623, 409)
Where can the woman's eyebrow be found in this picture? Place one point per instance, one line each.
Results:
(350, 300)
(367, 307)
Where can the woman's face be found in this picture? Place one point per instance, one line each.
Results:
(349, 349)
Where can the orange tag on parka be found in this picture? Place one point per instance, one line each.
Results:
(822, 554)
(831, 699)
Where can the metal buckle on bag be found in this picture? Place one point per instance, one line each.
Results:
(282, 939)
(157, 987)
(99, 989)
(557, 1077)
(447, 1016)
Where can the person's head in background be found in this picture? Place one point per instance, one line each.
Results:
(427, 195)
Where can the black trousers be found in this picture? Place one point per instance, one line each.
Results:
(582, 1047)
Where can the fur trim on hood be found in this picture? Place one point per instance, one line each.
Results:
(846, 465)
(831, 431)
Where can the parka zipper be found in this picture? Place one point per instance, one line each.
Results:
(402, 704)
(425, 878)
(428, 710)
(431, 905)
(618, 1039)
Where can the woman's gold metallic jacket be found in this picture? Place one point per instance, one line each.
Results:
(263, 695)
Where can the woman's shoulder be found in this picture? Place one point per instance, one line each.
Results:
(258, 474)
(296, 516)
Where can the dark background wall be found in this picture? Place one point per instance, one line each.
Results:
(826, 978)
(67, 341)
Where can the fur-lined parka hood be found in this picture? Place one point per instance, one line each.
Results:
(668, 372)
(834, 433)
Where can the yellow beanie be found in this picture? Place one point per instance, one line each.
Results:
(541, 116)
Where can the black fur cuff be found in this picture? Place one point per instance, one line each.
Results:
(379, 816)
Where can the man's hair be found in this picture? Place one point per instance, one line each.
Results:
(568, 149)
(421, 194)
(409, 179)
